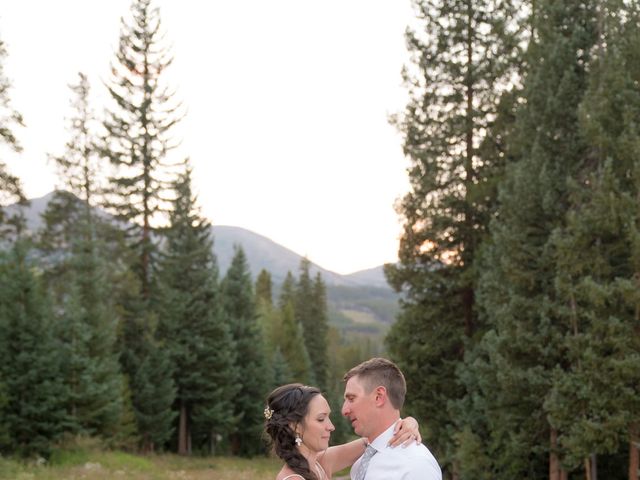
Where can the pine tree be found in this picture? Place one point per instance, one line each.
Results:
(523, 349)
(124, 434)
(240, 312)
(136, 141)
(310, 313)
(33, 413)
(10, 188)
(463, 63)
(138, 127)
(192, 326)
(93, 406)
(5, 438)
(594, 402)
(153, 395)
(280, 369)
(292, 345)
(264, 288)
(336, 346)
(78, 275)
(320, 316)
(268, 318)
(270, 323)
(79, 168)
(287, 291)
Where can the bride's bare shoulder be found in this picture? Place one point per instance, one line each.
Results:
(287, 474)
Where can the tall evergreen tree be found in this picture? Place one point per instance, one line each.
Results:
(33, 413)
(5, 438)
(292, 344)
(281, 372)
(270, 322)
(10, 119)
(136, 141)
(267, 315)
(310, 313)
(594, 402)
(335, 388)
(78, 168)
(264, 288)
(288, 335)
(524, 346)
(137, 131)
(91, 368)
(124, 435)
(240, 312)
(79, 276)
(287, 291)
(10, 187)
(192, 327)
(463, 62)
(154, 393)
(320, 328)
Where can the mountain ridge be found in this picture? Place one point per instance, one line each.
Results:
(261, 251)
(361, 302)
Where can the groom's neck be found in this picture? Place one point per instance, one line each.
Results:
(384, 421)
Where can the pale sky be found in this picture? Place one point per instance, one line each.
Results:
(287, 104)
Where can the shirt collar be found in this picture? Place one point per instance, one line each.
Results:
(381, 441)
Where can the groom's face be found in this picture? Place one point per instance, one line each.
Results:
(359, 407)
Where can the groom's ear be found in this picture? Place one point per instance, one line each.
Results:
(380, 396)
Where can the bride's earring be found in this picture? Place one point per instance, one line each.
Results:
(298, 440)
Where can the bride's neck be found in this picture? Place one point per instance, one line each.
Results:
(312, 457)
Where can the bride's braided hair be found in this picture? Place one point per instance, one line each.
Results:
(288, 406)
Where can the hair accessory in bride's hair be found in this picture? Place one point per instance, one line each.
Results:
(267, 413)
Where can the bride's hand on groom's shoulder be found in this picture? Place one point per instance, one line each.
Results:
(405, 432)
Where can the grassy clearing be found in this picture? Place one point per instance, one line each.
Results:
(102, 465)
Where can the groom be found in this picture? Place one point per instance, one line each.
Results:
(373, 396)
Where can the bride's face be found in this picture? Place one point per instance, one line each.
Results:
(317, 427)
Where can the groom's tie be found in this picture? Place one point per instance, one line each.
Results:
(364, 463)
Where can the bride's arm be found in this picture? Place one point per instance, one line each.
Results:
(342, 456)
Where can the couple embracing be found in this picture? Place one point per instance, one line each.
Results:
(298, 423)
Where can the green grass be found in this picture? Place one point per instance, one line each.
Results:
(82, 463)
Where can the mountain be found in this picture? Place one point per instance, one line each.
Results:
(263, 253)
(361, 301)
(372, 276)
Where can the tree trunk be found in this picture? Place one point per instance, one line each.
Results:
(594, 466)
(556, 472)
(469, 242)
(634, 460)
(587, 469)
(455, 471)
(183, 448)
(235, 444)
(147, 444)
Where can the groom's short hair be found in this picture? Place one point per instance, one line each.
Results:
(381, 372)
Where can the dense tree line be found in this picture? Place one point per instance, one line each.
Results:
(520, 326)
(115, 321)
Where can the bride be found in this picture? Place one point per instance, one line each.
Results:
(298, 424)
